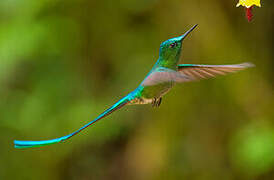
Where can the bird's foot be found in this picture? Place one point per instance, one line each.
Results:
(156, 102)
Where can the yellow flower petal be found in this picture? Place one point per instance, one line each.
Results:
(249, 3)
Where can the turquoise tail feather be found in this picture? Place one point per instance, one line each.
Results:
(29, 144)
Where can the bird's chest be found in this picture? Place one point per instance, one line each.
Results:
(156, 91)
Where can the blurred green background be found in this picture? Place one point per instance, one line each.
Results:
(64, 62)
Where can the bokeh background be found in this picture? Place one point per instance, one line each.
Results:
(64, 62)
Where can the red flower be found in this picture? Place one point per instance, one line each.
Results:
(249, 4)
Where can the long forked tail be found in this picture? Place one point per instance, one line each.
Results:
(29, 144)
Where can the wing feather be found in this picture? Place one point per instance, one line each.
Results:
(190, 72)
(164, 75)
(197, 72)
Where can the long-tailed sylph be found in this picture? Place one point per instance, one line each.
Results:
(163, 76)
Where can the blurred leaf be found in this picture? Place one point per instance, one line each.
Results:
(252, 148)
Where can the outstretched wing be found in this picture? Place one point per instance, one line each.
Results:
(164, 75)
(190, 72)
(197, 72)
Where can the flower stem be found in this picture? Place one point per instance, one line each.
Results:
(249, 14)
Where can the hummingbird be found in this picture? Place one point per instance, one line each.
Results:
(163, 76)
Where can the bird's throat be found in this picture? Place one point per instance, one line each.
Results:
(168, 62)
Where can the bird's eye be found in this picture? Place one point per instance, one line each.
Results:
(173, 45)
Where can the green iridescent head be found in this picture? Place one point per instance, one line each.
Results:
(171, 48)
